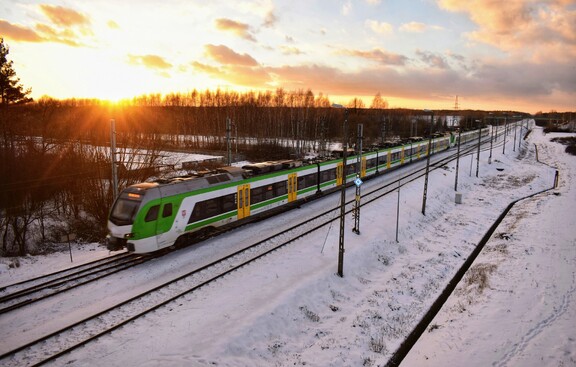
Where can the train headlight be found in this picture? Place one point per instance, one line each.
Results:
(129, 235)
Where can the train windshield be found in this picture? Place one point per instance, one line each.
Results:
(125, 208)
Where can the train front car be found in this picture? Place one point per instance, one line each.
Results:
(121, 220)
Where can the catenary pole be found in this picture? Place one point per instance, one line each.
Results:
(113, 158)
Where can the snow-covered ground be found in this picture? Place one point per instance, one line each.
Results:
(290, 308)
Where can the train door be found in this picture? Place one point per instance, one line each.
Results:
(363, 167)
(389, 159)
(339, 173)
(402, 156)
(166, 217)
(292, 186)
(243, 200)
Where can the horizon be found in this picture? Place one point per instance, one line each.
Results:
(516, 56)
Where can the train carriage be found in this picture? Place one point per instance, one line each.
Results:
(147, 217)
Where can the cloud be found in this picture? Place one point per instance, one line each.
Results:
(153, 62)
(270, 19)
(527, 79)
(66, 26)
(496, 81)
(64, 17)
(241, 30)
(539, 29)
(206, 69)
(19, 33)
(65, 36)
(235, 68)
(253, 77)
(414, 27)
(433, 59)
(417, 27)
(225, 55)
(203, 68)
(290, 50)
(379, 27)
(381, 56)
(364, 82)
(248, 77)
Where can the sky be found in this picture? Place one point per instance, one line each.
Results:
(493, 55)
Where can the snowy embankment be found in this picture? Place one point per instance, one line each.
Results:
(523, 312)
(290, 308)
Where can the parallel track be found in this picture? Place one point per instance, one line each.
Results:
(33, 290)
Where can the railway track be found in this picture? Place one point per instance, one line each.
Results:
(23, 293)
(58, 343)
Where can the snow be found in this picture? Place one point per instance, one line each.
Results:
(291, 308)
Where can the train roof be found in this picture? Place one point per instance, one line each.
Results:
(271, 166)
(187, 183)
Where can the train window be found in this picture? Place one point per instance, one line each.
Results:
(301, 182)
(257, 195)
(212, 208)
(307, 181)
(152, 213)
(350, 168)
(228, 203)
(280, 188)
(124, 210)
(268, 192)
(311, 180)
(167, 210)
(371, 163)
(328, 175)
(382, 159)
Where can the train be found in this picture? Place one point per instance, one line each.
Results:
(165, 213)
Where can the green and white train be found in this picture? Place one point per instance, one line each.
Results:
(150, 216)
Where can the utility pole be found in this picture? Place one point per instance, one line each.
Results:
(228, 141)
(113, 158)
(398, 211)
(515, 125)
(342, 192)
(427, 162)
(457, 160)
(478, 154)
(358, 181)
(491, 138)
(505, 130)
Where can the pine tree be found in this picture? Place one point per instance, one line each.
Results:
(11, 91)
